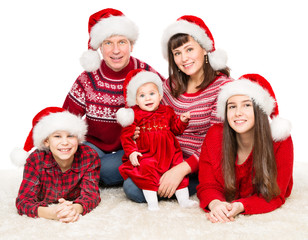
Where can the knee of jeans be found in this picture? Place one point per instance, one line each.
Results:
(133, 192)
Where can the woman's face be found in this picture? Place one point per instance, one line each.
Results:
(240, 114)
(189, 58)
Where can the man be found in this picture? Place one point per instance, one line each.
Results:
(98, 91)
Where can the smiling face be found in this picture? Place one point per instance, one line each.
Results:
(63, 146)
(240, 114)
(189, 58)
(148, 97)
(116, 52)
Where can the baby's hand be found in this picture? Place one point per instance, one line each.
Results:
(133, 158)
(185, 117)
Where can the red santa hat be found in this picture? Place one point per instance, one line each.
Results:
(103, 24)
(196, 28)
(261, 92)
(135, 79)
(46, 122)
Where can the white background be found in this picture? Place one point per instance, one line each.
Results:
(41, 42)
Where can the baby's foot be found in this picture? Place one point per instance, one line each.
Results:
(153, 207)
(189, 204)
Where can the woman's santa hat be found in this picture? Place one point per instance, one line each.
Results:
(46, 122)
(196, 28)
(104, 24)
(261, 92)
(135, 79)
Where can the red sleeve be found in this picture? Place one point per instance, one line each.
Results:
(89, 195)
(284, 159)
(211, 184)
(193, 162)
(75, 99)
(27, 200)
(128, 144)
(177, 127)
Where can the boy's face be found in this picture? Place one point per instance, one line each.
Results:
(148, 97)
(63, 146)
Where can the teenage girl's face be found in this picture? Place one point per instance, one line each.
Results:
(240, 114)
(62, 145)
(189, 58)
(148, 97)
(116, 52)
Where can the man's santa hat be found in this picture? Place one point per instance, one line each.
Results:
(196, 28)
(104, 24)
(135, 79)
(46, 122)
(261, 92)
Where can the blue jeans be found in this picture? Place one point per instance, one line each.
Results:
(110, 163)
(135, 194)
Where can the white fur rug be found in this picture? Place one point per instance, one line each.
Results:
(118, 218)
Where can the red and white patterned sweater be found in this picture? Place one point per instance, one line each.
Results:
(202, 108)
(99, 95)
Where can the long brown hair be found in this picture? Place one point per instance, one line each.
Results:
(178, 79)
(264, 169)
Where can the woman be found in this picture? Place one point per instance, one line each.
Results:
(246, 164)
(196, 72)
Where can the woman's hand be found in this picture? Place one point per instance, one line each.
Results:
(220, 211)
(133, 158)
(171, 179)
(236, 208)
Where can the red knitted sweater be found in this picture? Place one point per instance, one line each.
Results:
(212, 183)
(99, 95)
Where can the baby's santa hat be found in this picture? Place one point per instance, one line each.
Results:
(260, 91)
(46, 122)
(104, 24)
(196, 28)
(135, 79)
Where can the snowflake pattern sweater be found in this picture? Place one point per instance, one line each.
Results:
(99, 95)
(202, 108)
(212, 183)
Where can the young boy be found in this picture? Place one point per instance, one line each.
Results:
(61, 171)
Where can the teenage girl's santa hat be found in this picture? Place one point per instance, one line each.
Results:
(46, 122)
(135, 79)
(104, 24)
(196, 28)
(261, 92)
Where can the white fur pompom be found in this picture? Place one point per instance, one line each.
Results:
(280, 128)
(218, 59)
(19, 156)
(125, 116)
(90, 60)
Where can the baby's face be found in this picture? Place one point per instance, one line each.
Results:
(148, 97)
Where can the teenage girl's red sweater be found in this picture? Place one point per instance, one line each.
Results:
(212, 182)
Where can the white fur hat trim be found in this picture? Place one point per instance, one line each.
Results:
(137, 81)
(185, 27)
(111, 26)
(63, 121)
(125, 116)
(244, 87)
(280, 128)
(90, 60)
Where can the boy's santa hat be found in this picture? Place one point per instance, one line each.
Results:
(104, 24)
(46, 122)
(135, 79)
(261, 92)
(196, 28)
